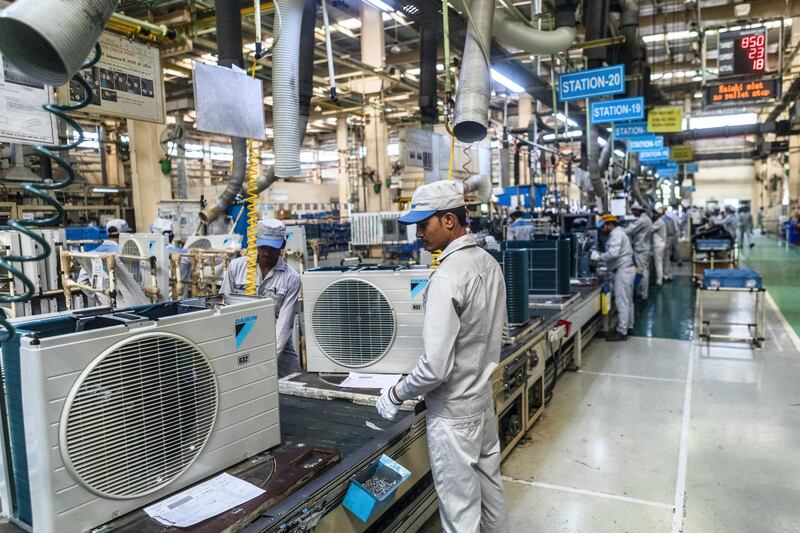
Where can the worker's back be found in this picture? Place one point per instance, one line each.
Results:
(475, 283)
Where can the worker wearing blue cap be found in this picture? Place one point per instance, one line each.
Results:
(275, 279)
(465, 311)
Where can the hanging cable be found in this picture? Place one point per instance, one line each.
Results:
(40, 191)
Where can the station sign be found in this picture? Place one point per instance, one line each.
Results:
(742, 92)
(691, 168)
(649, 142)
(629, 130)
(652, 156)
(582, 84)
(682, 153)
(622, 110)
(665, 119)
(667, 172)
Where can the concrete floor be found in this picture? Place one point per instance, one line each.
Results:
(667, 435)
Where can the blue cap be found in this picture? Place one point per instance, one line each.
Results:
(412, 217)
(270, 232)
(434, 197)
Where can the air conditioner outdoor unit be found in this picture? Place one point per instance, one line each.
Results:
(215, 242)
(122, 408)
(147, 245)
(366, 319)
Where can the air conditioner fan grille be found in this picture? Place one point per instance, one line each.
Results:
(140, 416)
(136, 267)
(353, 322)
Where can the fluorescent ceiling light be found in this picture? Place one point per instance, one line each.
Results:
(416, 70)
(570, 122)
(380, 5)
(698, 94)
(716, 121)
(619, 153)
(669, 36)
(345, 31)
(601, 141)
(507, 82)
(109, 190)
(570, 134)
(351, 23)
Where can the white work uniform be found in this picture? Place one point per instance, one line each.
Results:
(619, 260)
(99, 278)
(520, 230)
(465, 311)
(659, 233)
(639, 234)
(283, 285)
(672, 252)
(731, 224)
(745, 227)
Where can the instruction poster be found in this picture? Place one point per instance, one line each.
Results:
(127, 81)
(665, 119)
(22, 119)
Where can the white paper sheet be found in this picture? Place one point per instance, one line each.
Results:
(357, 380)
(203, 501)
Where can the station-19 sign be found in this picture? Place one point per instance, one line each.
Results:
(630, 130)
(622, 110)
(606, 81)
(649, 142)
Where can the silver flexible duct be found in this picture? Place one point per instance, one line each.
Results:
(212, 211)
(595, 174)
(511, 32)
(285, 90)
(474, 83)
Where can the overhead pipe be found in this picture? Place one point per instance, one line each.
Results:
(229, 53)
(428, 51)
(471, 116)
(306, 86)
(285, 89)
(514, 33)
(595, 20)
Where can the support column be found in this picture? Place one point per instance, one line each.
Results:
(794, 140)
(150, 186)
(344, 175)
(376, 134)
(208, 165)
(182, 180)
(524, 117)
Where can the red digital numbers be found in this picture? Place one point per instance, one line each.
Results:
(755, 46)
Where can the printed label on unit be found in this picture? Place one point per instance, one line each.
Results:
(592, 83)
(243, 359)
(243, 326)
(418, 286)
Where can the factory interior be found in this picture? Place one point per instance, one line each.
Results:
(399, 265)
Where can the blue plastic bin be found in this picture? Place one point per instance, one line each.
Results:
(739, 278)
(362, 502)
(712, 244)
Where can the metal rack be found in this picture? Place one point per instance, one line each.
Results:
(755, 330)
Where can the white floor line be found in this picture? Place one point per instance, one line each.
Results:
(586, 492)
(630, 376)
(683, 450)
(790, 332)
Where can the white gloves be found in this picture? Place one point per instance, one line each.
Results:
(595, 255)
(388, 404)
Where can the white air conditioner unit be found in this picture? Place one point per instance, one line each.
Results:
(296, 248)
(366, 319)
(215, 242)
(147, 245)
(123, 408)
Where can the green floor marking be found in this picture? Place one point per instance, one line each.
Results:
(668, 312)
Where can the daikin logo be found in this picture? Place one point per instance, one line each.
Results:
(418, 286)
(244, 326)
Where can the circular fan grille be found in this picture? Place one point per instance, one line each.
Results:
(203, 244)
(353, 322)
(134, 266)
(139, 415)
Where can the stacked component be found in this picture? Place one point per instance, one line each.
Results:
(548, 266)
(515, 270)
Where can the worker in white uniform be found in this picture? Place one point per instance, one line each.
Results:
(99, 277)
(520, 229)
(618, 258)
(465, 311)
(273, 278)
(639, 234)
(672, 221)
(660, 236)
(745, 227)
(730, 221)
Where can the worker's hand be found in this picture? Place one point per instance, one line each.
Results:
(388, 404)
(595, 255)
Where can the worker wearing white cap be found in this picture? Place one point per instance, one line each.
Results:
(276, 279)
(639, 234)
(465, 311)
(99, 277)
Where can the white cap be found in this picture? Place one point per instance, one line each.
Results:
(270, 232)
(430, 198)
(117, 225)
(635, 205)
(161, 225)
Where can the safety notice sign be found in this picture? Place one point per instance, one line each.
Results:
(127, 81)
(665, 119)
(683, 152)
(22, 119)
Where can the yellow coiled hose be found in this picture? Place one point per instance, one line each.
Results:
(253, 168)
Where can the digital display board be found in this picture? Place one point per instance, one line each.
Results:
(742, 92)
(742, 52)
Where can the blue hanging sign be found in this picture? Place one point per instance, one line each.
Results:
(639, 144)
(691, 168)
(629, 130)
(605, 81)
(621, 110)
(652, 156)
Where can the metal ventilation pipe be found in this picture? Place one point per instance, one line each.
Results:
(595, 20)
(306, 64)
(474, 82)
(285, 91)
(512, 32)
(229, 51)
(428, 49)
(633, 53)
